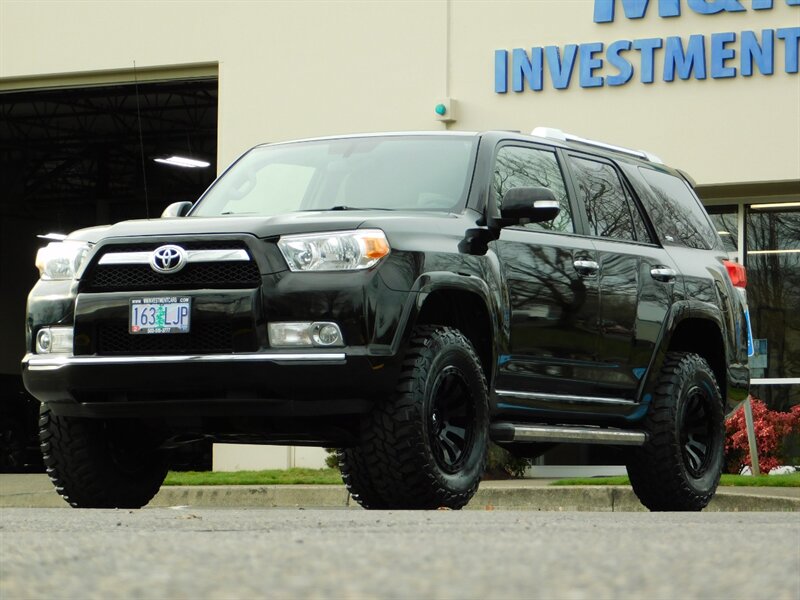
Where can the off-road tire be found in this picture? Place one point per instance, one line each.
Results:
(671, 471)
(415, 461)
(100, 464)
(356, 476)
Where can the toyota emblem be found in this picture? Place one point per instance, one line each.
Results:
(168, 259)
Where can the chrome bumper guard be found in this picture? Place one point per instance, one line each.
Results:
(38, 362)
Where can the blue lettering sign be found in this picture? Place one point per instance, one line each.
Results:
(561, 70)
(693, 59)
(763, 54)
(647, 47)
(615, 64)
(712, 7)
(791, 40)
(720, 54)
(605, 10)
(500, 71)
(589, 64)
(634, 9)
(523, 69)
(615, 58)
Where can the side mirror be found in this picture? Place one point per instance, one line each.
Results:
(176, 209)
(533, 204)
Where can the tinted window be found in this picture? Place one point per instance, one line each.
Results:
(677, 213)
(604, 197)
(529, 167)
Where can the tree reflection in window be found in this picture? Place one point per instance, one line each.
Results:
(516, 166)
(773, 293)
(724, 219)
(606, 205)
(677, 214)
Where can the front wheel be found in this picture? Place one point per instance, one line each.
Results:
(425, 447)
(679, 467)
(97, 463)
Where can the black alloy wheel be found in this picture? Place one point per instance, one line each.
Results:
(696, 431)
(453, 420)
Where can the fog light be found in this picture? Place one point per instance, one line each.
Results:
(43, 341)
(304, 334)
(54, 339)
(326, 334)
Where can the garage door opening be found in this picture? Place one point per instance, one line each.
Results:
(81, 156)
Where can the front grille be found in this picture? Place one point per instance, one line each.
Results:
(192, 276)
(205, 337)
(204, 275)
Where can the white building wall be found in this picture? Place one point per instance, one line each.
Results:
(296, 69)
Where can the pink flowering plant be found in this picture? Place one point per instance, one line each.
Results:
(777, 438)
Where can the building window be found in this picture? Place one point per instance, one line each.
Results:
(772, 258)
(726, 222)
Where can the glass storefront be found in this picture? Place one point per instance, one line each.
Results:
(771, 253)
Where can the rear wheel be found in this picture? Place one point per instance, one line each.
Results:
(98, 463)
(426, 446)
(680, 465)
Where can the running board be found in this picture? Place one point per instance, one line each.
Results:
(522, 433)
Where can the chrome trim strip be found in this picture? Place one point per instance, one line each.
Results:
(585, 435)
(565, 398)
(37, 362)
(776, 381)
(143, 258)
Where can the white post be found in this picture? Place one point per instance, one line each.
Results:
(751, 436)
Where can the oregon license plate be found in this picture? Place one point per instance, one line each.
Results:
(168, 314)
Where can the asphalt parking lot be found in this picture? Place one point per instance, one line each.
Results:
(340, 553)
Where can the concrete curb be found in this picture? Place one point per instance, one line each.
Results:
(489, 497)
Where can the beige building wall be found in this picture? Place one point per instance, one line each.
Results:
(296, 69)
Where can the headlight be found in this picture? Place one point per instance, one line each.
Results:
(335, 251)
(61, 260)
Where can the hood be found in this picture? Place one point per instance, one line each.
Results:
(262, 227)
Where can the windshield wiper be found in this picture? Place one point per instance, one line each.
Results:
(345, 207)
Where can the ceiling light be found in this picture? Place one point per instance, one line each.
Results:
(182, 161)
(773, 251)
(776, 205)
(724, 232)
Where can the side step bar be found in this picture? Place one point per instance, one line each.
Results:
(521, 433)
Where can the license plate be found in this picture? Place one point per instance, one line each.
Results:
(168, 314)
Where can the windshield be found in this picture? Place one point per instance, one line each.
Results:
(390, 173)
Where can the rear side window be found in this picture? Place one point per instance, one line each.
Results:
(610, 211)
(676, 212)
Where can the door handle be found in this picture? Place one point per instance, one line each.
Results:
(663, 274)
(586, 267)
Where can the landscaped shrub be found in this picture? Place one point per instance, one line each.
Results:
(777, 438)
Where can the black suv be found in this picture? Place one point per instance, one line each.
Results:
(405, 298)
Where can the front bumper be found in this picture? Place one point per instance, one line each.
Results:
(259, 383)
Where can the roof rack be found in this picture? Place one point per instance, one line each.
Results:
(557, 134)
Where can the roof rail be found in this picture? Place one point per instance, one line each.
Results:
(557, 134)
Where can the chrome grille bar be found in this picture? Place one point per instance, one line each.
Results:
(192, 256)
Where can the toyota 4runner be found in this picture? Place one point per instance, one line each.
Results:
(406, 298)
